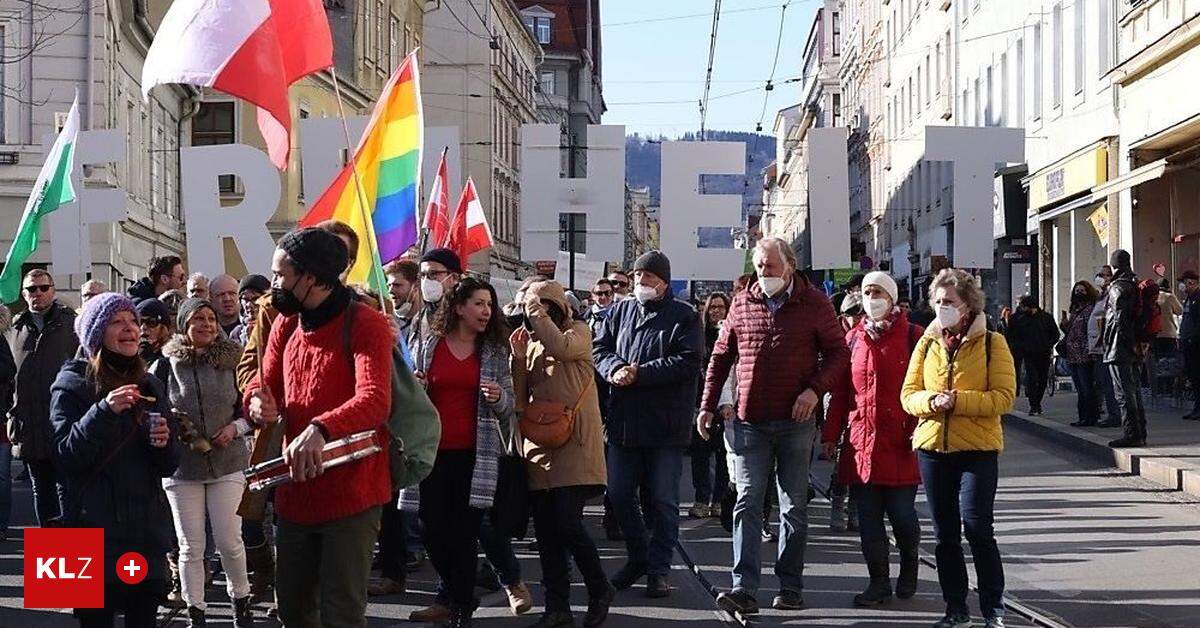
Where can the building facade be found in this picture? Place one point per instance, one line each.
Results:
(97, 49)
(479, 77)
(569, 86)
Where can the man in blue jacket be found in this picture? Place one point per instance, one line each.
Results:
(650, 349)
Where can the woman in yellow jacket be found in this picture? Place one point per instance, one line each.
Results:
(960, 382)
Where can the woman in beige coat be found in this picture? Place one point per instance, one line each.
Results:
(552, 361)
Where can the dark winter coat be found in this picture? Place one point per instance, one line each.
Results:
(120, 492)
(38, 356)
(1120, 324)
(204, 385)
(663, 338)
(879, 449)
(142, 289)
(1076, 344)
(778, 355)
(1032, 334)
(1189, 327)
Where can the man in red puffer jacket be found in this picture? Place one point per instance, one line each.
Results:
(790, 350)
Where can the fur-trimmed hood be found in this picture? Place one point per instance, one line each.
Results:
(223, 354)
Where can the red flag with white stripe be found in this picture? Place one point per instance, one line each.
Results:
(251, 49)
(469, 233)
(437, 215)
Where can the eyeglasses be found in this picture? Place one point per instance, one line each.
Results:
(37, 289)
(435, 275)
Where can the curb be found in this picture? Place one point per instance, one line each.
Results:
(1174, 473)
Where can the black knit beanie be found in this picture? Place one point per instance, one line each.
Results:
(317, 252)
(654, 262)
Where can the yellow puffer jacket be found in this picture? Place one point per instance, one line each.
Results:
(984, 393)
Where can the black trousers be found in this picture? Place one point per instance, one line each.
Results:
(451, 525)
(393, 537)
(1037, 376)
(1129, 398)
(562, 537)
(138, 603)
(1191, 368)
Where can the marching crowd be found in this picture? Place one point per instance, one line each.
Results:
(142, 413)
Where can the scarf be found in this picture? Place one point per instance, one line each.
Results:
(333, 305)
(953, 338)
(876, 329)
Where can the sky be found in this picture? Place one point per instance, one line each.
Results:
(655, 53)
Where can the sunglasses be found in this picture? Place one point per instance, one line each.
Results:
(37, 289)
(605, 293)
(620, 284)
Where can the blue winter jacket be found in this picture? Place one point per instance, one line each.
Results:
(663, 337)
(121, 492)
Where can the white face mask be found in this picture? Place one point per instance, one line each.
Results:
(432, 290)
(644, 293)
(772, 285)
(876, 308)
(948, 316)
(403, 310)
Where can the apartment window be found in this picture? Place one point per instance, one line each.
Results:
(3, 65)
(978, 108)
(540, 28)
(837, 34)
(837, 110)
(564, 229)
(304, 115)
(919, 84)
(213, 125)
(989, 114)
(965, 108)
(938, 60)
(380, 31)
(393, 42)
(1056, 51)
(547, 82)
(1104, 32)
(1080, 16)
(1039, 59)
(1019, 83)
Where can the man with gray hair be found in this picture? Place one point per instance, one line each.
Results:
(787, 323)
(197, 286)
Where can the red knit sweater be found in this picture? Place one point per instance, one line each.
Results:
(310, 372)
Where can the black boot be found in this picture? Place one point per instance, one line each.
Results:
(906, 584)
(260, 561)
(597, 611)
(242, 617)
(880, 588)
(195, 617)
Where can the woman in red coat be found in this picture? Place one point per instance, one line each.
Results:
(878, 460)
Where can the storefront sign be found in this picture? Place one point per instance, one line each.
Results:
(1099, 220)
(1069, 177)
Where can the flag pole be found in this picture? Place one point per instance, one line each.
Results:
(368, 223)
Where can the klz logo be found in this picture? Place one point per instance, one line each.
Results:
(64, 568)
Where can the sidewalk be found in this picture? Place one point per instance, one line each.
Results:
(1172, 454)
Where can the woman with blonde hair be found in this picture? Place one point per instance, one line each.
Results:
(960, 382)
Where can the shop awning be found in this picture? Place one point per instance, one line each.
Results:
(1138, 176)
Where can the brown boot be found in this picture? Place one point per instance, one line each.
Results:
(435, 614)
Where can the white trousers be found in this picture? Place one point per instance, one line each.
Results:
(217, 499)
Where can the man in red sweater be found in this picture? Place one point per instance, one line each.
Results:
(327, 519)
(789, 350)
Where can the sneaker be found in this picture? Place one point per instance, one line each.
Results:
(954, 621)
(767, 535)
(520, 600)
(434, 614)
(788, 601)
(738, 602)
(699, 511)
(242, 616)
(384, 587)
(994, 622)
(657, 587)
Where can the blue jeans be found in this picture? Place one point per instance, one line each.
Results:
(898, 503)
(659, 469)
(5, 486)
(1087, 397)
(961, 490)
(756, 450)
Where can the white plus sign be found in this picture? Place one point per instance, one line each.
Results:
(132, 568)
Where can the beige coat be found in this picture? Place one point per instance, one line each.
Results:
(558, 366)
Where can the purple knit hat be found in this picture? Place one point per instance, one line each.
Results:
(97, 313)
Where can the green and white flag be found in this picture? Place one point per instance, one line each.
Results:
(52, 190)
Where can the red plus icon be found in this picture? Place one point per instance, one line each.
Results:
(131, 567)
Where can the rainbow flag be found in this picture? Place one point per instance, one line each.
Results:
(388, 164)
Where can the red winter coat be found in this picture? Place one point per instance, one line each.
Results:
(879, 450)
(778, 356)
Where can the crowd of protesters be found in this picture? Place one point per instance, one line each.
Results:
(141, 413)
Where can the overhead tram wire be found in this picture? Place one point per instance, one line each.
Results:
(712, 52)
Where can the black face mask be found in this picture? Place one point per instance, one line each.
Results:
(286, 302)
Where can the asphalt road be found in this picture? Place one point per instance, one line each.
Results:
(1082, 543)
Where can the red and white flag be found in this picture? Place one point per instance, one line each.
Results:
(437, 215)
(470, 232)
(252, 49)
